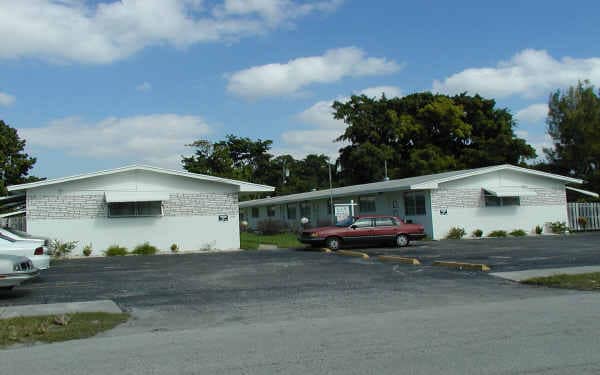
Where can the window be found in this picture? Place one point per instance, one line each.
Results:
(384, 222)
(305, 209)
(255, 212)
(367, 204)
(291, 212)
(494, 201)
(414, 204)
(363, 223)
(133, 209)
(270, 211)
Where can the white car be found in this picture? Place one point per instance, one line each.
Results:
(15, 243)
(15, 270)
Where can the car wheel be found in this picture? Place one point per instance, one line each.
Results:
(402, 240)
(7, 288)
(333, 243)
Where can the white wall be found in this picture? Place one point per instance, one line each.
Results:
(76, 211)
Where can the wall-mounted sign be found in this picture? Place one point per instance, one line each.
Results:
(223, 217)
(443, 211)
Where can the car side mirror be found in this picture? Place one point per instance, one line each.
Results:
(353, 226)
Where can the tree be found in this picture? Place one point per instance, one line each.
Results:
(425, 133)
(574, 126)
(14, 162)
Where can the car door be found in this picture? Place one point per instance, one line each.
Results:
(360, 231)
(385, 229)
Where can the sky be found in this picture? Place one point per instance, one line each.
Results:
(93, 85)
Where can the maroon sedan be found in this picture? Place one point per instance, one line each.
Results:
(363, 230)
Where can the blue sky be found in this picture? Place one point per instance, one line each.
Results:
(94, 85)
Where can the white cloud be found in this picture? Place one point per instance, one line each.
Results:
(89, 32)
(320, 138)
(530, 73)
(289, 78)
(6, 99)
(532, 114)
(144, 86)
(157, 139)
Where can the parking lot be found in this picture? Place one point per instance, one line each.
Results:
(177, 291)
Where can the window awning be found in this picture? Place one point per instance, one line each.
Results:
(512, 191)
(135, 196)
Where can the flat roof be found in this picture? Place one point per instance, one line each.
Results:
(425, 182)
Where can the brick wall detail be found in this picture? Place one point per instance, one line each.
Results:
(473, 198)
(90, 206)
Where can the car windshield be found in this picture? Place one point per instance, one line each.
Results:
(345, 223)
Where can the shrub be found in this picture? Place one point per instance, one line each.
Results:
(62, 249)
(174, 248)
(582, 221)
(518, 233)
(558, 227)
(145, 249)
(87, 250)
(477, 233)
(497, 233)
(115, 250)
(455, 233)
(539, 229)
(270, 226)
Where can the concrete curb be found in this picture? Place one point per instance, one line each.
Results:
(463, 266)
(544, 272)
(105, 306)
(351, 253)
(326, 250)
(398, 259)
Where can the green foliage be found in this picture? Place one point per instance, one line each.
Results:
(455, 233)
(270, 226)
(574, 126)
(144, 249)
(250, 241)
(518, 233)
(497, 233)
(425, 133)
(539, 229)
(87, 250)
(174, 248)
(477, 233)
(558, 227)
(14, 162)
(115, 250)
(62, 249)
(582, 281)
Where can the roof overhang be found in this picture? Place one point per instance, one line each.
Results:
(10, 214)
(243, 187)
(135, 196)
(584, 192)
(510, 191)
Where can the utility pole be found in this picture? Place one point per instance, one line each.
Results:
(331, 194)
(385, 178)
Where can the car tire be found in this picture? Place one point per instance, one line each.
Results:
(402, 240)
(333, 243)
(7, 288)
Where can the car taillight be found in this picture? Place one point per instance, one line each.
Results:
(39, 251)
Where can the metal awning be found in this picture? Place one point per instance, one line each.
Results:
(9, 214)
(584, 192)
(135, 196)
(510, 191)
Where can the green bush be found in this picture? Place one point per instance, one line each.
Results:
(174, 248)
(270, 227)
(87, 250)
(477, 233)
(115, 250)
(145, 249)
(62, 249)
(582, 221)
(497, 233)
(539, 229)
(518, 233)
(455, 233)
(558, 227)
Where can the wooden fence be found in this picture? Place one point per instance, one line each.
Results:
(589, 211)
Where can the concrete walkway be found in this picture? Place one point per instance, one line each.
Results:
(543, 272)
(106, 306)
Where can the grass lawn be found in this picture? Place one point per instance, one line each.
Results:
(25, 330)
(250, 241)
(584, 281)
